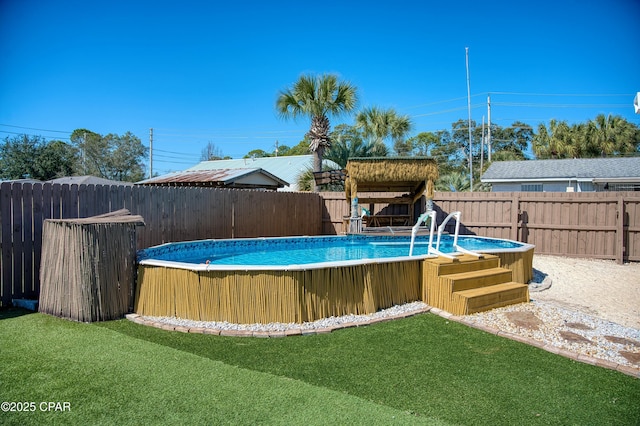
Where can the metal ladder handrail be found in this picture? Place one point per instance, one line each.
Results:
(456, 247)
(414, 230)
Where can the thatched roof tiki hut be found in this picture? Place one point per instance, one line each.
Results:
(410, 177)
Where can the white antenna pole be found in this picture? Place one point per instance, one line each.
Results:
(482, 148)
(489, 128)
(469, 109)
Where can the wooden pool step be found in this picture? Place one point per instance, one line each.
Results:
(467, 285)
(486, 298)
(478, 278)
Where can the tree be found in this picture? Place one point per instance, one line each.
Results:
(301, 149)
(453, 182)
(611, 135)
(18, 156)
(111, 156)
(317, 97)
(460, 139)
(211, 152)
(377, 125)
(348, 142)
(424, 142)
(25, 156)
(257, 153)
(56, 159)
(514, 139)
(554, 141)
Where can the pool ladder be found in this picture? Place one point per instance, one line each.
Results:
(432, 214)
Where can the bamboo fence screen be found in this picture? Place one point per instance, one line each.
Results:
(248, 297)
(88, 266)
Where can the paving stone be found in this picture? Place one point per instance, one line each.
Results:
(570, 336)
(578, 326)
(622, 340)
(524, 319)
(632, 357)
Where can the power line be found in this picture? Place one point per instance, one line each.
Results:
(534, 105)
(32, 128)
(561, 94)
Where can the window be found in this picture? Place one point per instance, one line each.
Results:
(622, 187)
(586, 187)
(531, 187)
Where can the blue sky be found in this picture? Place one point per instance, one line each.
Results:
(210, 71)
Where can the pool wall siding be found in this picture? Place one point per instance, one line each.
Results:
(248, 297)
(520, 263)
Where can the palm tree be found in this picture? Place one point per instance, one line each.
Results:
(554, 142)
(347, 142)
(317, 97)
(611, 135)
(378, 125)
(453, 182)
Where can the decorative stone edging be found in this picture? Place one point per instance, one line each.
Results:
(266, 334)
(630, 371)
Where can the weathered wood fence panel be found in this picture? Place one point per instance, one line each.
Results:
(170, 214)
(603, 225)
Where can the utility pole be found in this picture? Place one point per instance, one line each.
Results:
(150, 153)
(276, 148)
(489, 128)
(469, 109)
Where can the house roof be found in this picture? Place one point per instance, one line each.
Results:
(231, 178)
(287, 168)
(595, 169)
(87, 180)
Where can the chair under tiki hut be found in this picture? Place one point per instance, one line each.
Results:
(411, 178)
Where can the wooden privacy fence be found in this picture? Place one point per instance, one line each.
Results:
(603, 225)
(170, 214)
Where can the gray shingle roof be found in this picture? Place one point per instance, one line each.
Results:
(597, 168)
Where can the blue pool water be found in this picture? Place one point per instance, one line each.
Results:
(311, 250)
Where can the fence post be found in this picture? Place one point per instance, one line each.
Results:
(620, 231)
(515, 210)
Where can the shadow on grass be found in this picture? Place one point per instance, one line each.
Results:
(12, 312)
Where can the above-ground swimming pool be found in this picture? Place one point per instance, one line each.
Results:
(306, 252)
(296, 279)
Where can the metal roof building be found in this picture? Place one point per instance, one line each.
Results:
(287, 168)
(247, 178)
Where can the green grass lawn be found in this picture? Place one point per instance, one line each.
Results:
(419, 370)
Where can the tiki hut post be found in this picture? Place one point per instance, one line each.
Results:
(429, 194)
